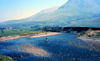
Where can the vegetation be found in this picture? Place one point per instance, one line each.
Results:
(32, 33)
(37, 33)
(3, 58)
(23, 31)
(82, 33)
(88, 34)
(24, 34)
(0, 35)
(97, 33)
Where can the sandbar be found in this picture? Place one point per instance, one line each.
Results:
(31, 36)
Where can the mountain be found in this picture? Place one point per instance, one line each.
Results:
(42, 12)
(49, 10)
(83, 13)
(27, 21)
(83, 6)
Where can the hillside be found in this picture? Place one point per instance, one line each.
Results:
(83, 13)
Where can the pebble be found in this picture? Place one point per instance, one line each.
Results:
(73, 58)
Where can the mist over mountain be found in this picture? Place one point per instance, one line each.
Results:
(83, 13)
(29, 20)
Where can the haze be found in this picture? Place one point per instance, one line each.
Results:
(18, 9)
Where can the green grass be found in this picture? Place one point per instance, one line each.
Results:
(96, 37)
(97, 33)
(14, 32)
(82, 33)
(3, 58)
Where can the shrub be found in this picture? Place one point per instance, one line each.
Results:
(32, 33)
(24, 34)
(42, 31)
(0, 35)
(89, 36)
(37, 33)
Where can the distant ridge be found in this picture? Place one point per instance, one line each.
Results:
(48, 10)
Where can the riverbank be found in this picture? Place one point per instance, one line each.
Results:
(31, 36)
(44, 34)
(88, 39)
(93, 43)
(11, 38)
(4, 58)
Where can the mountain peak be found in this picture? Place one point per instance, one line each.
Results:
(84, 13)
(83, 5)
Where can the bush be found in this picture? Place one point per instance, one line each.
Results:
(42, 31)
(97, 33)
(37, 33)
(24, 34)
(32, 33)
(0, 35)
(89, 35)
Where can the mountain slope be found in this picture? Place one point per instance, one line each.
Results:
(42, 12)
(72, 13)
(88, 6)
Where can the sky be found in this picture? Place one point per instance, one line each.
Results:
(19, 9)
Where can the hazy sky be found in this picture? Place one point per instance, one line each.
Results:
(18, 9)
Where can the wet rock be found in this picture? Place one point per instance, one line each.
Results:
(43, 59)
(73, 58)
(21, 56)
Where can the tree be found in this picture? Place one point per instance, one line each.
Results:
(2, 30)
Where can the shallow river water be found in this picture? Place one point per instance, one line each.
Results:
(61, 47)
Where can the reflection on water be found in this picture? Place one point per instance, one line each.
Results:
(62, 47)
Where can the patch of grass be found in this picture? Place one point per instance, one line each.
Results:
(96, 37)
(82, 33)
(3, 58)
(14, 32)
(97, 33)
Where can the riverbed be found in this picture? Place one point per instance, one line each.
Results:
(60, 47)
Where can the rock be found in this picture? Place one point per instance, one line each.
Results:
(21, 56)
(43, 59)
(73, 58)
(9, 58)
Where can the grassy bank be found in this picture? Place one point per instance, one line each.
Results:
(3, 58)
(89, 34)
(14, 32)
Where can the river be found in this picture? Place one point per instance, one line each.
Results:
(61, 47)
